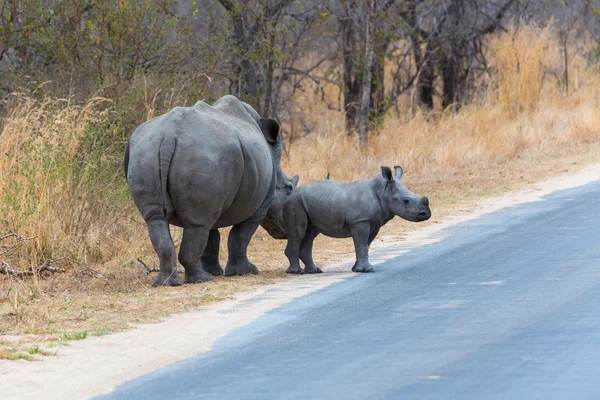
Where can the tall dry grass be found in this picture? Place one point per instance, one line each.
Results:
(524, 112)
(61, 181)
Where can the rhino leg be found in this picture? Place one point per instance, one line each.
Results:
(192, 247)
(210, 258)
(165, 249)
(361, 234)
(296, 224)
(239, 237)
(306, 247)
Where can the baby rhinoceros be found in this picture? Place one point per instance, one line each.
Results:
(340, 210)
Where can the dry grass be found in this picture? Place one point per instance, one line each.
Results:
(61, 181)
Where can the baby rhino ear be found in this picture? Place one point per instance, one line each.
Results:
(270, 128)
(295, 180)
(387, 173)
(399, 171)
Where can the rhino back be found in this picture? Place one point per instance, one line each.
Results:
(221, 169)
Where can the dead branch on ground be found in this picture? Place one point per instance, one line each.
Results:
(148, 269)
(151, 270)
(5, 269)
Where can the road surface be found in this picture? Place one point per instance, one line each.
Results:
(505, 307)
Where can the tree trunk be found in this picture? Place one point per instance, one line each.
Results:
(426, 76)
(451, 54)
(563, 36)
(246, 84)
(449, 69)
(365, 91)
(351, 87)
(377, 78)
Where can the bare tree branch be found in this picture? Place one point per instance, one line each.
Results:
(495, 24)
(228, 4)
(19, 239)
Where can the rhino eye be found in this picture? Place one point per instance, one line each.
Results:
(406, 201)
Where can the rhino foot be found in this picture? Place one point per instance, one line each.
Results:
(167, 280)
(312, 269)
(363, 268)
(240, 268)
(295, 270)
(213, 269)
(198, 277)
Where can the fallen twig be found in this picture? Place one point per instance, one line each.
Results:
(151, 270)
(148, 269)
(5, 269)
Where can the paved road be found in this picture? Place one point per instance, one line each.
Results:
(506, 307)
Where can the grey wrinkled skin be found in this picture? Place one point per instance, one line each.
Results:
(340, 210)
(203, 168)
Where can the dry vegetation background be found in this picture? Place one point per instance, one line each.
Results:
(61, 182)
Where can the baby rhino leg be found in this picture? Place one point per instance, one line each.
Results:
(296, 223)
(361, 233)
(306, 247)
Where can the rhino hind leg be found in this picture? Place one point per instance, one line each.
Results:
(165, 249)
(210, 258)
(193, 244)
(237, 244)
(306, 247)
(296, 224)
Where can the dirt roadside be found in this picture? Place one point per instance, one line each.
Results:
(96, 365)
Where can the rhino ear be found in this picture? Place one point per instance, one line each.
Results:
(270, 128)
(399, 171)
(295, 180)
(387, 173)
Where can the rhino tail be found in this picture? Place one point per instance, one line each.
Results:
(165, 155)
(126, 160)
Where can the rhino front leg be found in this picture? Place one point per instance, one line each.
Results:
(210, 258)
(193, 244)
(361, 233)
(306, 247)
(165, 249)
(239, 237)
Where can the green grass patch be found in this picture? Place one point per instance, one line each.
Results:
(102, 331)
(75, 336)
(35, 349)
(13, 354)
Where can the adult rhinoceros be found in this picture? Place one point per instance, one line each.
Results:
(203, 168)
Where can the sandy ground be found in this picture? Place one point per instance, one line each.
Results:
(96, 365)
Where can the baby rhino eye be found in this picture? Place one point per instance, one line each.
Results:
(406, 201)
